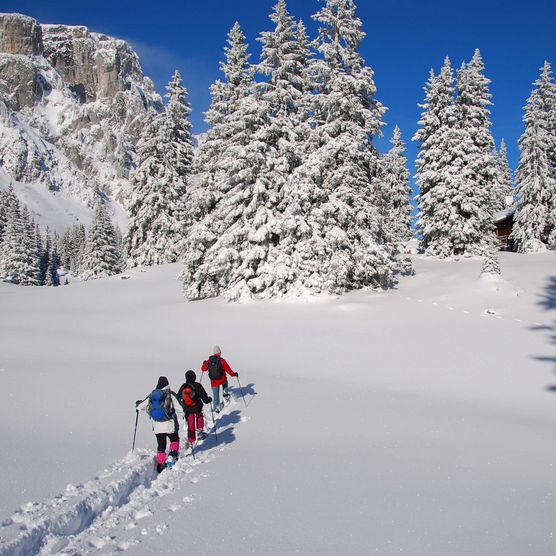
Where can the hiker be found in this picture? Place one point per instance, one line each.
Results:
(192, 395)
(162, 405)
(217, 368)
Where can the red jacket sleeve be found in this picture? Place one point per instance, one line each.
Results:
(226, 367)
(205, 366)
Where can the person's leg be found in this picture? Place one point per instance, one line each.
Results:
(200, 421)
(174, 444)
(191, 428)
(225, 390)
(216, 398)
(161, 450)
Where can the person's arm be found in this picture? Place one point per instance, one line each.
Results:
(205, 366)
(177, 406)
(203, 394)
(179, 395)
(227, 367)
(142, 406)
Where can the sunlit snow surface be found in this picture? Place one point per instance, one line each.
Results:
(417, 421)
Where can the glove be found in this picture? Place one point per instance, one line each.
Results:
(209, 399)
(138, 402)
(237, 374)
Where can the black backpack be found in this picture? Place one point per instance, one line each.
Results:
(215, 367)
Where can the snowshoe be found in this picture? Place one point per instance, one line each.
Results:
(160, 467)
(201, 435)
(172, 459)
(227, 399)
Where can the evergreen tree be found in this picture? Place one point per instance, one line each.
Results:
(504, 178)
(535, 218)
(454, 214)
(19, 259)
(7, 197)
(473, 102)
(44, 247)
(336, 246)
(101, 257)
(491, 263)
(52, 278)
(395, 192)
(239, 193)
(158, 215)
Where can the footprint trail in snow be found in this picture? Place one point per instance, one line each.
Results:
(106, 514)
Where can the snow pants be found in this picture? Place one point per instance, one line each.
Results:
(216, 395)
(195, 422)
(161, 445)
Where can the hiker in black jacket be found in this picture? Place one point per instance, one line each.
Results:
(192, 395)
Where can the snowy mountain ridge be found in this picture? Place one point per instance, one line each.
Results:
(72, 103)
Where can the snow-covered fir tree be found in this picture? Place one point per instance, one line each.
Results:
(19, 258)
(333, 218)
(473, 102)
(238, 191)
(504, 178)
(7, 197)
(535, 218)
(395, 193)
(491, 263)
(158, 214)
(454, 211)
(274, 228)
(101, 257)
(52, 278)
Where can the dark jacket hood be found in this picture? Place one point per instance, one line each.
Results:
(190, 377)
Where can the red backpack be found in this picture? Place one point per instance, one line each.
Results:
(189, 396)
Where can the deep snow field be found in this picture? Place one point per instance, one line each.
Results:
(417, 421)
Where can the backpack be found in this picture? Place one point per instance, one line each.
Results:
(160, 405)
(189, 396)
(215, 367)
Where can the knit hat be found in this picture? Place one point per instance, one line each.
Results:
(216, 350)
(162, 382)
(190, 377)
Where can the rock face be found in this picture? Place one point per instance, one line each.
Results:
(93, 65)
(72, 107)
(20, 34)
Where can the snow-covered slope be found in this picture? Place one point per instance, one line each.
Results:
(417, 421)
(72, 104)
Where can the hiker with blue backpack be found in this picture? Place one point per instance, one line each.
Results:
(217, 368)
(192, 395)
(163, 408)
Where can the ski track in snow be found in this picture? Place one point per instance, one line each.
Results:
(86, 518)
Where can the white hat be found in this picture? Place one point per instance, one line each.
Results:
(216, 350)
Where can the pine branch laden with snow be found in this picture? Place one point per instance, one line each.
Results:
(454, 203)
(158, 212)
(535, 217)
(101, 257)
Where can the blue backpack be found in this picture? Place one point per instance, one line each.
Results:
(160, 405)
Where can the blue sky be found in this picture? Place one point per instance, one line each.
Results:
(405, 38)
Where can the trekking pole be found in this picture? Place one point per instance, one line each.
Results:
(241, 390)
(136, 420)
(135, 431)
(214, 423)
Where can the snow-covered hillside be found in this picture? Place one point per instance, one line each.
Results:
(418, 420)
(72, 106)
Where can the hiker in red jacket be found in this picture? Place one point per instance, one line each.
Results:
(217, 368)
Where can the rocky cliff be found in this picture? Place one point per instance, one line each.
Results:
(72, 106)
